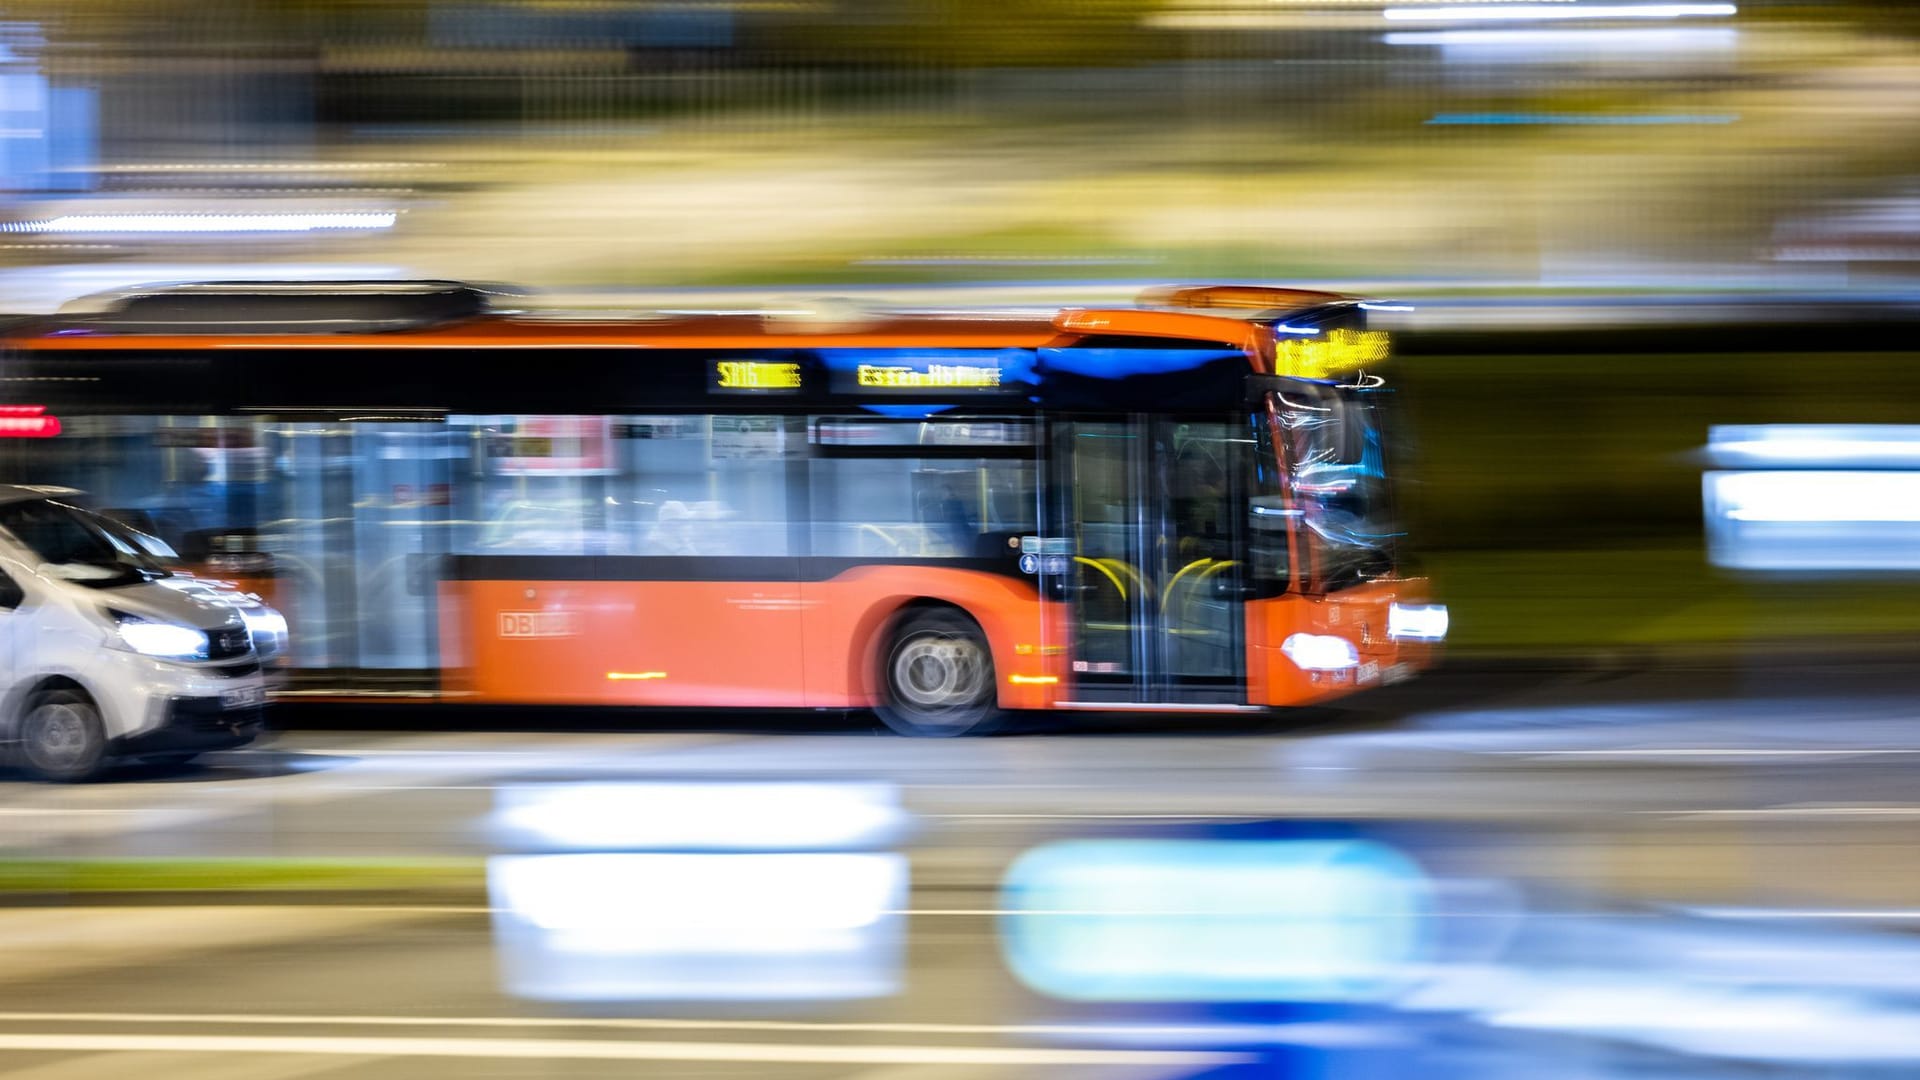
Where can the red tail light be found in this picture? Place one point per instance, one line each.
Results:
(27, 422)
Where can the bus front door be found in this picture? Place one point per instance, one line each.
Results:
(1153, 585)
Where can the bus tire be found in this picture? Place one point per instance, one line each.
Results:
(61, 736)
(938, 677)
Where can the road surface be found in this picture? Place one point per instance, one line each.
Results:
(1702, 872)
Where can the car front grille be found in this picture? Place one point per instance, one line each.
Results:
(227, 644)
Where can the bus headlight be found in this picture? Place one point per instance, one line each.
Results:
(1320, 652)
(1417, 622)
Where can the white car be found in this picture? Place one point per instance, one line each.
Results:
(107, 654)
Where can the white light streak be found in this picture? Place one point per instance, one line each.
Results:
(205, 223)
(1545, 12)
(701, 816)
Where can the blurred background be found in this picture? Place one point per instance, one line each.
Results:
(1652, 819)
(1553, 166)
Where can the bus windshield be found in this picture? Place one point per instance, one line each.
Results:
(1337, 462)
(78, 545)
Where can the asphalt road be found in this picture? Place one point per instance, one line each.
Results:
(1596, 871)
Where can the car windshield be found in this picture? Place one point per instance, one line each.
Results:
(79, 545)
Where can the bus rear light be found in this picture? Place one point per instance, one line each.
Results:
(1320, 652)
(1417, 622)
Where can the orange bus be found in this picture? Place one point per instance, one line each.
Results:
(941, 516)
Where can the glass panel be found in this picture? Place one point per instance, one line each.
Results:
(402, 510)
(633, 485)
(1106, 582)
(1336, 456)
(1198, 572)
(874, 431)
(920, 508)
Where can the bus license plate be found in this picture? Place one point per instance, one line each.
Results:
(244, 698)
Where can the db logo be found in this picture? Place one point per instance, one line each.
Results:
(532, 624)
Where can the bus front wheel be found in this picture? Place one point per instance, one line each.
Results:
(939, 677)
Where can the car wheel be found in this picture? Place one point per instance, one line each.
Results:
(939, 677)
(61, 736)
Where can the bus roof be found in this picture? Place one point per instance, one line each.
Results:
(441, 314)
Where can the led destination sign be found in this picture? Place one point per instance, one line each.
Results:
(1339, 352)
(936, 376)
(756, 375)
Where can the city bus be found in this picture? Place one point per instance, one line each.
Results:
(945, 517)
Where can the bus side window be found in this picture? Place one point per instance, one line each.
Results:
(1269, 555)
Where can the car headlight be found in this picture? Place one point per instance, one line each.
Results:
(267, 627)
(163, 639)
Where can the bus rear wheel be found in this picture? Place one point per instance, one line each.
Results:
(939, 677)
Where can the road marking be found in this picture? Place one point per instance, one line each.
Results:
(1891, 915)
(630, 1023)
(611, 1050)
(1731, 751)
(1798, 811)
(1169, 816)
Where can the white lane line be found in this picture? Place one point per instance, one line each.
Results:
(1730, 751)
(1891, 915)
(611, 1050)
(1798, 811)
(79, 904)
(1169, 816)
(635, 1023)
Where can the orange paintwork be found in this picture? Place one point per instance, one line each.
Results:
(1256, 341)
(1358, 614)
(686, 643)
(690, 332)
(818, 644)
(722, 643)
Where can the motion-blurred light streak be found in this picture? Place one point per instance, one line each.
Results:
(709, 816)
(713, 926)
(204, 223)
(1547, 12)
(1579, 119)
(1215, 920)
(1813, 497)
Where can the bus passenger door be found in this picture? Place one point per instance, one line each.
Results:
(1152, 581)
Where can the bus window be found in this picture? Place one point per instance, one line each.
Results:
(920, 508)
(1336, 461)
(628, 485)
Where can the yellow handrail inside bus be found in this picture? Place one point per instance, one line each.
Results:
(1127, 569)
(1166, 595)
(1111, 576)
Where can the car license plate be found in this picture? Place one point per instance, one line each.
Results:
(244, 698)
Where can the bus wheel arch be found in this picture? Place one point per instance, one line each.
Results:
(933, 672)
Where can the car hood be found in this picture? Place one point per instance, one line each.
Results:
(200, 608)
